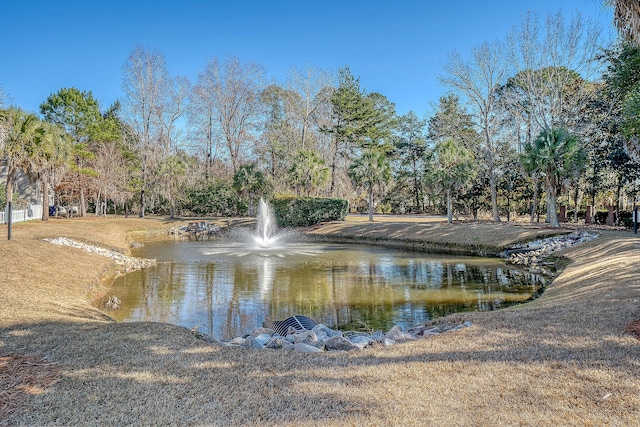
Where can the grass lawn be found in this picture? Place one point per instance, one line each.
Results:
(563, 359)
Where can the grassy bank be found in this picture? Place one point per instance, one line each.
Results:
(563, 359)
(462, 238)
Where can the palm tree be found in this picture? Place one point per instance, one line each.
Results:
(20, 146)
(308, 171)
(248, 181)
(453, 168)
(530, 166)
(627, 18)
(52, 156)
(555, 154)
(370, 169)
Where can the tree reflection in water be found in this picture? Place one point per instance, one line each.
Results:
(229, 291)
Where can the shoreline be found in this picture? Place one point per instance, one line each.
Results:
(534, 256)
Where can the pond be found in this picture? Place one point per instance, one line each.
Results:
(229, 291)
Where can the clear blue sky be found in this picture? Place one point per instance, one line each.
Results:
(396, 47)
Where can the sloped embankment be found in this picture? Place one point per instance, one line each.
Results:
(459, 238)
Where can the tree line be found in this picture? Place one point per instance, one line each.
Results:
(546, 117)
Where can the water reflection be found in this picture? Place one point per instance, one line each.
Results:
(229, 291)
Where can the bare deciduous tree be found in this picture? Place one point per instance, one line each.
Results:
(311, 86)
(553, 63)
(478, 81)
(144, 80)
(202, 124)
(234, 92)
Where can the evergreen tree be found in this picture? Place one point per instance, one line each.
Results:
(370, 169)
(308, 172)
(21, 145)
(453, 168)
(555, 154)
(359, 120)
(249, 182)
(78, 113)
(410, 147)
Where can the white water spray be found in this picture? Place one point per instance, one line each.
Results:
(266, 230)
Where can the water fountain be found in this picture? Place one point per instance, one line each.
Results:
(266, 240)
(266, 229)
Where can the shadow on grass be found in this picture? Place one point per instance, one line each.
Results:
(157, 373)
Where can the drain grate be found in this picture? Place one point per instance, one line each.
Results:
(298, 323)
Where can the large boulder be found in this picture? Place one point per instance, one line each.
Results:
(361, 341)
(262, 331)
(236, 341)
(305, 348)
(307, 337)
(398, 335)
(251, 342)
(378, 336)
(340, 343)
(277, 343)
(323, 332)
(262, 338)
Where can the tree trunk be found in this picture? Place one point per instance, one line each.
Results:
(371, 203)
(83, 209)
(492, 175)
(334, 160)
(494, 198)
(415, 185)
(449, 207)
(618, 191)
(552, 210)
(143, 175)
(209, 166)
(576, 203)
(593, 193)
(45, 200)
(9, 211)
(534, 208)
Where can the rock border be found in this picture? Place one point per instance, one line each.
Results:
(199, 228)
(533, 254)
(128, 263)
(322, 338)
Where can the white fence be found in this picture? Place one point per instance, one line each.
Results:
(32, 212)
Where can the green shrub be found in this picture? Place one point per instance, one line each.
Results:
(601, 217)
(216, 198)
(306, 211)
(626, 219)
(581, 214)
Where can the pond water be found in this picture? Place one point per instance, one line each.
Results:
(229, 291)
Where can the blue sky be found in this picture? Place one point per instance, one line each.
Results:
(396, 47)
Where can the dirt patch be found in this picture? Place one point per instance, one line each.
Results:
(23, 376)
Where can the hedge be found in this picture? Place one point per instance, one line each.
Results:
(306, 211)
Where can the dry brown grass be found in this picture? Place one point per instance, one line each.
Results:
(563, 359)
(427, 233)
(23, 376)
